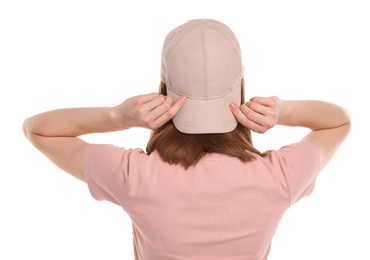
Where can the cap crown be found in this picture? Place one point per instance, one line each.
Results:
(201, 60)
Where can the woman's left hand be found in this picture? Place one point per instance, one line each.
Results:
(147, 111)
(259, 114)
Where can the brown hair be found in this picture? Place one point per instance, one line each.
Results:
(175, 147)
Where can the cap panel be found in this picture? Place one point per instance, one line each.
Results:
(224, 68)
(186, 70)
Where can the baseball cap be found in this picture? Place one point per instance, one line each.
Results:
(201, 60)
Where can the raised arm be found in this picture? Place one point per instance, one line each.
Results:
(55, 132)
(329, 123)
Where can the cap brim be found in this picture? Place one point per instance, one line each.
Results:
(199, 116)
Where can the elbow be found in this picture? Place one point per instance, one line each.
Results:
(348, 118)
(28, 132)
(26, 128)
(32, 136)
(347, 121)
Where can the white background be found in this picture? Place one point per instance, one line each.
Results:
(56, 54)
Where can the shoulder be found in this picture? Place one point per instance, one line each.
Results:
(110, 170)
(109, 157)
(299, 164)
(295, 159)
(108, 150)
(295, 151)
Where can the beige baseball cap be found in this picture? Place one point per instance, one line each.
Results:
(201, 60)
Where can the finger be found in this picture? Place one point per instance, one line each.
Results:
(153, 103)
(258, 108)
(244, 120)
(253, 116)
(170, 113)
(161, 109)
(142, 99)
(266, 101)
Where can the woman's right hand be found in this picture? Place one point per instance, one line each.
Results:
(259, 114)
(148, 111)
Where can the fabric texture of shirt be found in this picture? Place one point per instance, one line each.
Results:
(221, 208)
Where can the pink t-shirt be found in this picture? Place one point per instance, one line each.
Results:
(219, 209)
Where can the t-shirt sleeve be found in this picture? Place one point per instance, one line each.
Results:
(109, 171)
(300, 164)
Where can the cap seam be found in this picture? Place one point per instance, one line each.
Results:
(204, 54)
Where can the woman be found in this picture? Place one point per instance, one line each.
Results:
(201, 191)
